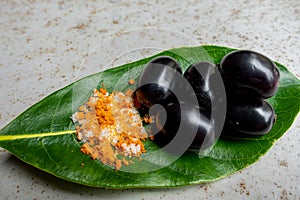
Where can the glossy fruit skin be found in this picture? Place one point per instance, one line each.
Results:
(188, 123)
(249, 73)
(199, 75)
(200, 83)
(250, 116)
(158, 81)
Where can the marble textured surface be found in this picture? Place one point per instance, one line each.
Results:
(46, 45)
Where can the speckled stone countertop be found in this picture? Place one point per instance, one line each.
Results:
(46, 45)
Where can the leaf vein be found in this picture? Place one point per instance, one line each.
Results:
(48, 154)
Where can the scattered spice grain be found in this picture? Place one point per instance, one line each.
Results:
(131, 82)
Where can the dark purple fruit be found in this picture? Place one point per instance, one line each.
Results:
(199, 76)
(249, 73)
(182, 127)
(158, 81)
(252, 117)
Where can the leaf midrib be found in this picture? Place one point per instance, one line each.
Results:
(36, 135)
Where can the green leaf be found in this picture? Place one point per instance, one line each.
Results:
(43, 136)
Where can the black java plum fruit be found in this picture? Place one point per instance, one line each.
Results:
(182, 127)
(248, 116)
(199, 75)
(249, 73)
(158, 81)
